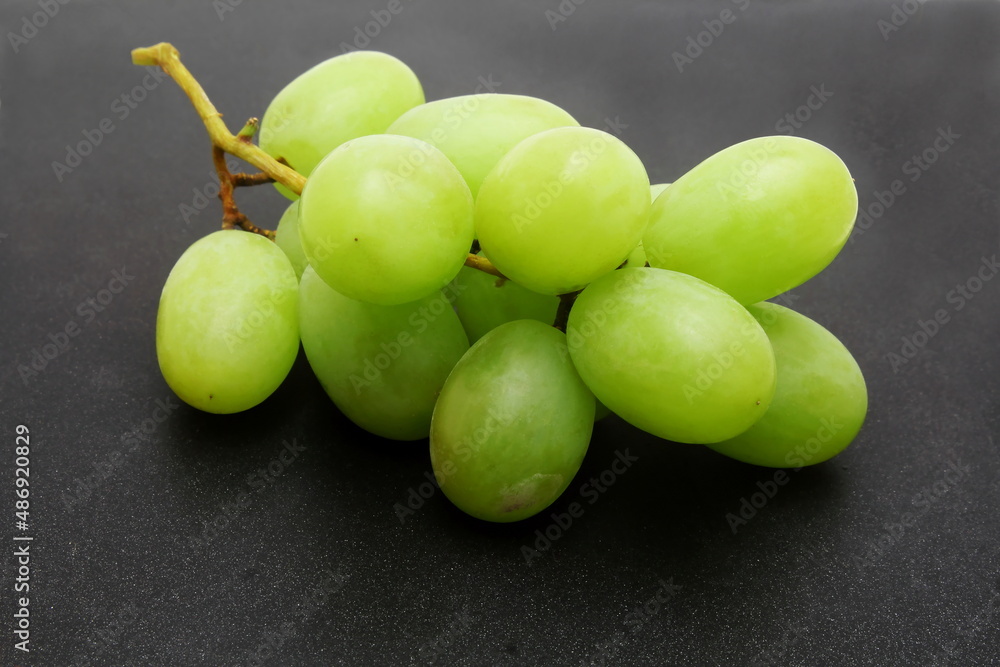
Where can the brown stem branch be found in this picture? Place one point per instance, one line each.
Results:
(165, 56)
(232, 217)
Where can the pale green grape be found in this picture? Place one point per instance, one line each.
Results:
(755, 219)
(820, 401)
(512, 424)
(671, 354)
(475, 131)
(638, 256)
(562, 208)
(287, 238)
(386, 219)
(657, 189)
(349, 96)
(484, 302)
(382, 365)
(227, 327)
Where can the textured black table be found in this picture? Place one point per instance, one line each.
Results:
(163, 536)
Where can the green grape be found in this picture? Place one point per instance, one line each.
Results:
(287, 238)
(637, 258)
(227, 327)
(475, 131)
(671, 354)
(562, 208)
(755, 219)
(484, 302)
(382, 365)
(512, 424)
(386, 219)
(657, 189)
(343, 98)
(820, 401)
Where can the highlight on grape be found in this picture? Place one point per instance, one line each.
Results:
(484, 275)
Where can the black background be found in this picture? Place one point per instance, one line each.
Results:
(824, 574)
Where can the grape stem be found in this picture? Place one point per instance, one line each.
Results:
(232, 217)
(165, 56)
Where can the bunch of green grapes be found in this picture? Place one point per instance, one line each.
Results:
(485, 273)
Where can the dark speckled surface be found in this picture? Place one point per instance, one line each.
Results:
(880, 557)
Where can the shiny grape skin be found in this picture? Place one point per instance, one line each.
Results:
(512, 424)
(227, 325)
(820, 401)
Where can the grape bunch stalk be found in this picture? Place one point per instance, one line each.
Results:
(484, 272)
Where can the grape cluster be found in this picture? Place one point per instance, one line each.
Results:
(661, 291)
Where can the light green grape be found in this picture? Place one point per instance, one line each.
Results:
(386, 219)
(382, 365)
(562, 208)
(475, 131)
(820, 401)
(349, 96)
(657, 189)
(484, 302)
(671, 354)
(287, 238)
(512, 424)
(227, 327)
(755, 219)
(637, 257)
